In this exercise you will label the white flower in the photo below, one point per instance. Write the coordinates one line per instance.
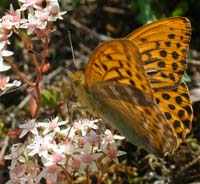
(110, 138)
(31, 178)
(3, 66)
(53, 126)
(42, 16)
(54, 158)
(75, 165)
(84, 124)
(15, 154)
(69, 133)
(87, 157)
(50, 173)
(3, 82)
(13, 18)
(4, 53)
(41, 145)
(28, 126)
(67, 148)
(27, 4)
(91, 138)
(4, 85)
(112, 153)
(17, 175)
(33, 24)
(53, 11)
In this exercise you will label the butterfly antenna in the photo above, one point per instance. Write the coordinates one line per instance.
(70, 42)
(69, 105)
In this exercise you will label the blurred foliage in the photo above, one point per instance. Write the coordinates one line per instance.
(149, 12)
(145, 8)
(51, 99)
(181, 9)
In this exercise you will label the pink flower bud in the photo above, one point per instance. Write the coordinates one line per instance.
(33, 106)
(55, 9)
(46, 67)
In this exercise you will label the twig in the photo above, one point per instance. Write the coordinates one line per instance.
(194, 161)
(17, 72)
(94, 34)
(110, 9)
(193, 61)
(85, 48)
(44, 79)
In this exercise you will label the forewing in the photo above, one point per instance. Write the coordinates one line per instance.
(118, 61)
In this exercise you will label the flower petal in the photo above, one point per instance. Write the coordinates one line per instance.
(6, 53)
(3, 66)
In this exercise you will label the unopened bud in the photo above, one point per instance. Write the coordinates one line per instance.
(33, 106)
(46, 67)
(55, 9)
(15, 132)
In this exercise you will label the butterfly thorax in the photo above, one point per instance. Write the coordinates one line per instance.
(82, 91)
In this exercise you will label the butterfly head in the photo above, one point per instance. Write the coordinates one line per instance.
(77, 79)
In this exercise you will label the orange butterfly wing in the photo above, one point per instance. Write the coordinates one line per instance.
(118, 84)
(177, 108)
(136, 83)
(163, 45)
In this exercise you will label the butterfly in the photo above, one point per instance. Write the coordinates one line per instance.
(136, 83)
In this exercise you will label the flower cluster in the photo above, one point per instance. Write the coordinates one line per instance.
(58, 151)
(52, 151)
(32, 17)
